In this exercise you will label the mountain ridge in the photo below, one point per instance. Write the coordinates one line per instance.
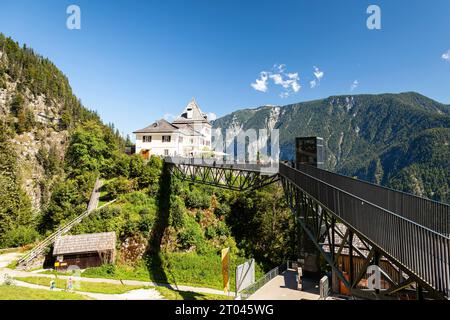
(363, 133)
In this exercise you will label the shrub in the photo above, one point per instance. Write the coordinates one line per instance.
(199, 215)
(196, 199)
(191, 234)
(122, 165)
(177, 210)
(223, 209)
(222, 229)
(210, 232)
(119, 186)
(20, 236)
(136, 166)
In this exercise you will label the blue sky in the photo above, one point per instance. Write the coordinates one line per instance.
(136, 61)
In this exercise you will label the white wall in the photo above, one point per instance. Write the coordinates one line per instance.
(157, 146)
(175, 148)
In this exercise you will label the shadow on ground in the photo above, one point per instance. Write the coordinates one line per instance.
(159, 268)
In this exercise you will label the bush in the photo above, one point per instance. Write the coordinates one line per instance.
(177, 210)
(222, 209)
(198, 200)
(222, 229)
(20, 236)
(119, 186)
(136, 166)
(210, 232)
(122, 165)
(191, 235)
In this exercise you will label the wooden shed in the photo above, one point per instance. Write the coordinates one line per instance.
(85, 250)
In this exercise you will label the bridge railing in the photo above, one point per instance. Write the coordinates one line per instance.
(431, 214)
(251, 289)
(423, 251)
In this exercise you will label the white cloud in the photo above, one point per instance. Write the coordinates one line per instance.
(446, 56)
(261, 83)
(295, 86)
(211, 116)
(293, 76)
(277, 79)
(288, 81)
(318, 74)
(354, 85)
(279, 67)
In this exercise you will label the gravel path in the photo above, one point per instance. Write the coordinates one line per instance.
(17, 273)
(140, 294)
(6, 259)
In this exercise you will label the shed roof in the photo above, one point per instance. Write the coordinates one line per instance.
(85, 243)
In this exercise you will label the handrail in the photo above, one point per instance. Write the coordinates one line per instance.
(258, 284)
(66, 228)
(432, 214)
(59, 232)
(422, 250)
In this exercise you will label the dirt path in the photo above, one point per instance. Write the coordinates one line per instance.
(7, 258)
(140, 294)
(17, 273)
(95, 196)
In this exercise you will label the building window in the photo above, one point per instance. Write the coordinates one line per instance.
(166, 152)
(180, 139)
(147, 138)
(192, 141)
(166, 138)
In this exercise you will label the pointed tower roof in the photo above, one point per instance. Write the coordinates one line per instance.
(192, 113)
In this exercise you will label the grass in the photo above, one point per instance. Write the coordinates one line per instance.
(12, 264)
(102, 199)
(103, 194)
(187, 295)
(21, 293)
(9, 250)
(175, 268)
(108, 288)
(95, 287)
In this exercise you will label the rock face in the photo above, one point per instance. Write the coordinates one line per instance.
(44, 134)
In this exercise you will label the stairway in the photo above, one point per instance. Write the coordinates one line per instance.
(39, 249)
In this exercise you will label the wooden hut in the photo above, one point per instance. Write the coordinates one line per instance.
(85, 250)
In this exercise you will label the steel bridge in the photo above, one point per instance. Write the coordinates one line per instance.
(406, 236)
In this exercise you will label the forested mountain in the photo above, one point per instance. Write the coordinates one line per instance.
(39, 118)
(52, 149)
(397, 140)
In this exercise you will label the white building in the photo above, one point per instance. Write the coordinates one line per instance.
(189, 135)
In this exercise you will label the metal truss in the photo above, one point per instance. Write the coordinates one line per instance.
(227, 177)
(349, 232)
(324, 232)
